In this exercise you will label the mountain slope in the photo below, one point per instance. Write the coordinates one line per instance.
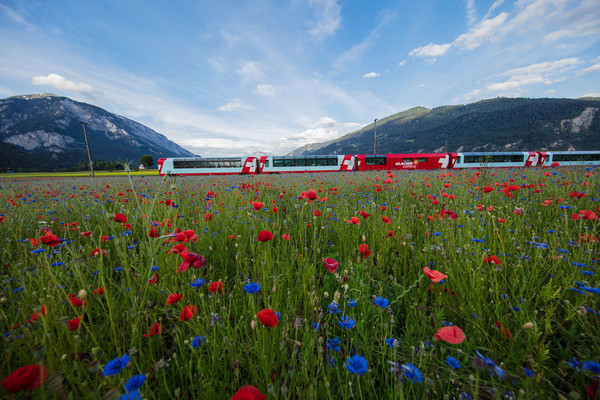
(503, 124)
(46, 132)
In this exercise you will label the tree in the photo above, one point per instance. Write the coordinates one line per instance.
(147, 160)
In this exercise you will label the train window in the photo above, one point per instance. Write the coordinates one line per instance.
(266, 163)
(299, 162)
(375, 160)
(422, 159)
(277, 162)
(332, 161)
(407, 160)
(288, 162)
(321, 161)
(459, 160)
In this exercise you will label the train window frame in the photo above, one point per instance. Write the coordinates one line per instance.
(375, 160)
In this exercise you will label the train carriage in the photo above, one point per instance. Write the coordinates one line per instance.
(366, 162)
(208, 166)
(502, 160)
(299, 164)
(573, 158)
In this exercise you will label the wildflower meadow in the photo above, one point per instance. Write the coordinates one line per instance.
(463, 284)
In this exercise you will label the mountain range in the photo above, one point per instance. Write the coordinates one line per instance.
(44, 132)
(493, 125)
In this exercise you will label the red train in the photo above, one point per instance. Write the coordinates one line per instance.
(366, 162)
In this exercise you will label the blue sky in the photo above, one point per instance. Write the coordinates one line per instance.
(265, 77)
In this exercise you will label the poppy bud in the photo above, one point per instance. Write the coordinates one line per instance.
(82, 294)
(253, 324)
(528, 325)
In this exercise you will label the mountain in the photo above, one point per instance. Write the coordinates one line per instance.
(502, 124)
(44, 132)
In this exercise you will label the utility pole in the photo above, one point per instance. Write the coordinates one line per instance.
(88, 148)
(375, 137)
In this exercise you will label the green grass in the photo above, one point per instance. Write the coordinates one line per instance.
(528, 297)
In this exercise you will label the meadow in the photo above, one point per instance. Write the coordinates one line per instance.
(467, 284)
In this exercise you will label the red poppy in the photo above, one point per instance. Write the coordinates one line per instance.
(364, 249)
(317, 213)
(215, 287)
(74, 323)
(330, 264)
(50, 239)
(364, 214)
(354, 220)
(248, 393)
(25, 378)
(285, 236)
(86, 233)
(98, 291)
(386, 220)
(503, 330)
(451, 334)
(120, 218)
(390, 233)
(154, 330)
(188, 312)
(208, 217)
(75, 301)
(264, 236)
(191, 260)
(179, 249)
(267, 317)
(154, 280)
(492, 260)
(153, 233)
(96, 252)
(434, 275)
(174, 298)
(257, 205)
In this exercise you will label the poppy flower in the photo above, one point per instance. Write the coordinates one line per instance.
(96, 252)
(154, 280)
(75, 301)
(174, 298)
(248, 393)
(98, 291)
(285, 236)
(434, 275)
(364, 214)
(354, 220)
(188, 312)
(488, 189)
(492, 260)
(386, 220)
(364, 249)
(330, 264)
(451, 334)
(215, 287)
(50, 239)
(120, 218)
(191, 260)
(267, 317)
(154, 330)
(390, 233)
(264, 236)
(257, 205)
(317, 213)
(74, 323)
(25, 378)
(179, 249)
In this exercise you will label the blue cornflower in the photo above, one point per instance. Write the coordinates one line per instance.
(333, 308)
(134, 395)
(356, 364)
(197, 282)
(334, 344)
(352, 303)
(490, 365)
(115, 366)
(347, 322)
(198, 341)
(575, 363)
(453, 362)
(446, 323)
(135, 382)
(392, 342)
(528, 372)
(317, 326)
(253, 287)
(592, 366)
(412, 373)
(381, 302)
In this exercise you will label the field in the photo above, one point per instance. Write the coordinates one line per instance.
(413, 285)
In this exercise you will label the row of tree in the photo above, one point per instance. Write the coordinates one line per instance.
(147, 161)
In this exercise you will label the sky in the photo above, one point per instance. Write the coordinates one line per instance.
(239, 77)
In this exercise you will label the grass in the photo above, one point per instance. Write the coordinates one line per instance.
(86, 174)
(530, 323)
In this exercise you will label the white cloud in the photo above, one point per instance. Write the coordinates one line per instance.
(234, 105)
(265, 89)
(484, 31)
(546, 72)
(325, 129)
(431, 50)
(401, 63)
(251, 71)
(60, 82)
(329, 18)
(371, 75)
(595, 67)
(471, 12)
